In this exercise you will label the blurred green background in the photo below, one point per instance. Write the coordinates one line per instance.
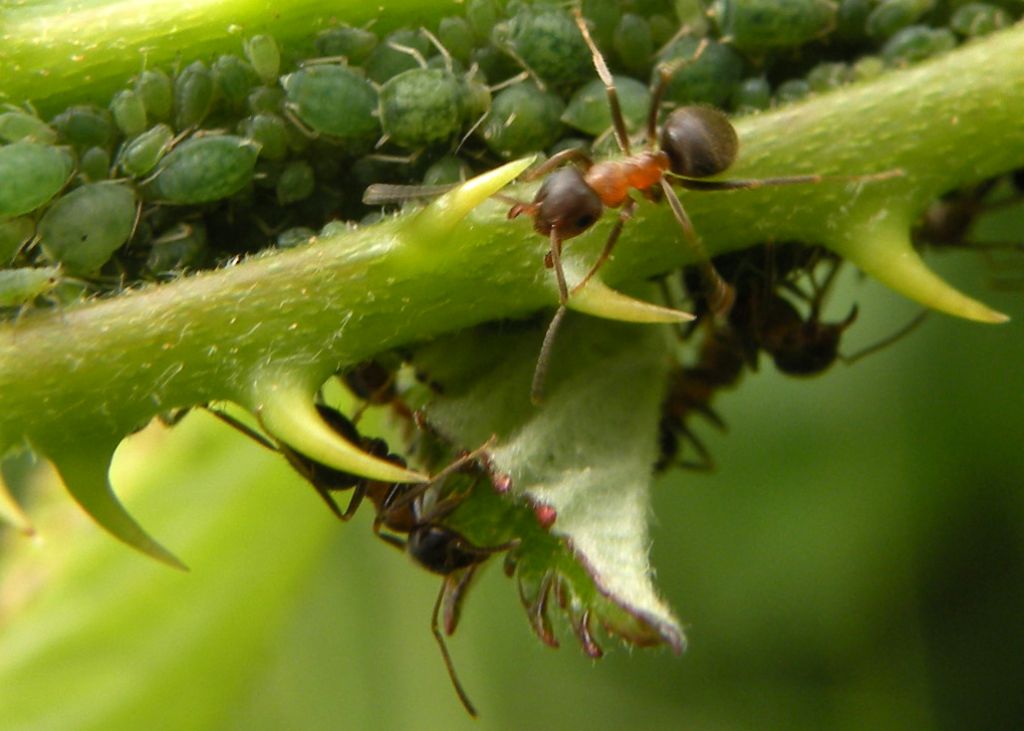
(857, 561)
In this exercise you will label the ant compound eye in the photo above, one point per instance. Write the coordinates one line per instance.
(699, 141)
(566, 204)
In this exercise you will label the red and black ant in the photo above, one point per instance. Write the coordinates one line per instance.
(694, 143)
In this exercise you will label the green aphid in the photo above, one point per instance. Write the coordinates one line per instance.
(851, 19)
(270, 131)
(752, 95)
(457, 37)
(85, 126)
(235, 78)
(353, 44)
(334, 100)
(94, 164)
(194, 95)
(633, 43)
(14, 234)
(32, 173)
(545, 38)
(184, 246)
(129, 112)
(387, 60)
(867, 67)
(84, 228)
(445, 170)
(16, 125)
(522, 119)
(978, 19)
(588, 109)
(917, 43)
(269, 99)
(20, 286)
(296, 182)
(692, 16)
(482, 16)
(760, 25)
(602, 18)
(154, 88)
(139, 156)
(265, 57)
(792, 90)
(421, 107)
(203, 170)
(891, 16)
(663, 29)
(829, 75)
(292, 237)
(707, 78)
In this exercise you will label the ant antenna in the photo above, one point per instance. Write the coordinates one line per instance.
(540, 372)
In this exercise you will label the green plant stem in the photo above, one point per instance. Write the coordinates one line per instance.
(294, 318)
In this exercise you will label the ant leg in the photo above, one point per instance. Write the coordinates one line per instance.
(665, 73)
(574, 154)
(721, 295)
(243, 428)
(613, 237)
(454, 596)
(609, 84)
(436, 629)
(540, 372)
(884, 342)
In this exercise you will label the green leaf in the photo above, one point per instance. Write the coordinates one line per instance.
(587, 452)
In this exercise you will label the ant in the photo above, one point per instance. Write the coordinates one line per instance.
(413, 510)
(695, 142)
(324, 479)
(418, 512)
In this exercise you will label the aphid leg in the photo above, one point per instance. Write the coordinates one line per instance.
(665, 73)
(436, 43)
(609, 83)
(613, 237)
(720, 294)
(884, 342)
(417, 56)
(435, 627)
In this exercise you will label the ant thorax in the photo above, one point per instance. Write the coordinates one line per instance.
(613, 179)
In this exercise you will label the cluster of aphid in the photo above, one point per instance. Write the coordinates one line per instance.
(227, 156)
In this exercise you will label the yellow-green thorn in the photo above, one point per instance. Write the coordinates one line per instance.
(289, 415)
(11, 512)
(885, 252)
(600, 300)
(84, 469)
(445, 212)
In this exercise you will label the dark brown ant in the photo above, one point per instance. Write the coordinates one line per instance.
(417, 512)
(695, 142)
(409, 517)
(327, 480)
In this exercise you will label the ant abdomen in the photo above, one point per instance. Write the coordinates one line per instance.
(699, 141)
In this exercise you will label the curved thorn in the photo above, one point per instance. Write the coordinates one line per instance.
(600, 300)
(11, 512)
(291, 417)
(444, 213)
(85, 475)
(887, 255)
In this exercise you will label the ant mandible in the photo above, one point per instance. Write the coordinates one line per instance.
(695, 142)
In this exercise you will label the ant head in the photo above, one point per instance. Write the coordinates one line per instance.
(565, 204)
(809, 347)
(699, 141)
(441, 550)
